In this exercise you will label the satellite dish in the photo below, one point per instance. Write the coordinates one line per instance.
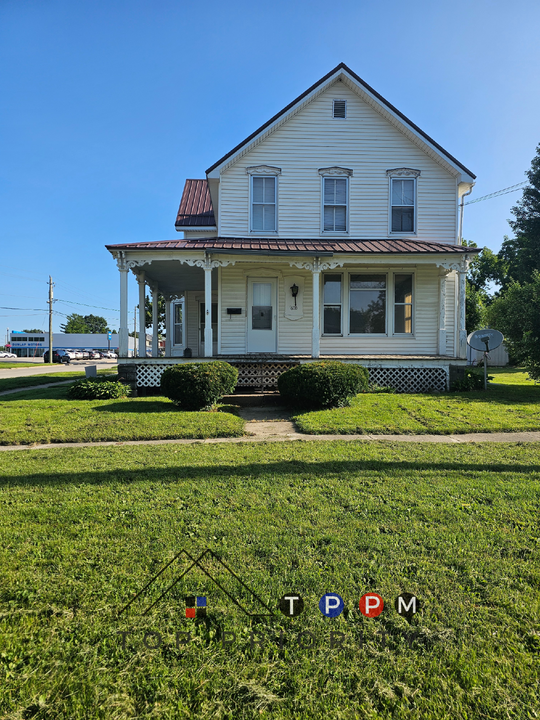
(485, 340)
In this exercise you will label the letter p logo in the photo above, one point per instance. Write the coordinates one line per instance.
(371, 605)
(331, 605)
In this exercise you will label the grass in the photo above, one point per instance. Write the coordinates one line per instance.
(81, 531)
(35, 380)
(8, 365)
(511, 404)
(47, 416)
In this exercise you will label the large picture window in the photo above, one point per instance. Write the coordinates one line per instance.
(263, 204)
(403, 303)
(367, 304)
(332, 302)
(335, 192)
(403, 205)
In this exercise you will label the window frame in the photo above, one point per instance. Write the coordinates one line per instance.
(341, 175)
(341, 304)
(403, 174)
(412, 304)
(352, 272)
(266, 176)
(334, 100)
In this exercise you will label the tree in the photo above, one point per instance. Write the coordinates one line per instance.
(517, 315)
(96, 324)
(84, 324)
(520, 255)
(34, 331)
(475, 309)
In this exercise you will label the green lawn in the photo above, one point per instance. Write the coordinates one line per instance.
(34, 380)
(511, 403)
(82, 531)
(46, 415)
(9, 364)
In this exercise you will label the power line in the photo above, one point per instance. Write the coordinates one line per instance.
(99, 307)
(510, 189)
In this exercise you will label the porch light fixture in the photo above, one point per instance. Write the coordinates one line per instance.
(294, 290)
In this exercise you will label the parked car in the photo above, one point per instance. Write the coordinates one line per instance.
(94, 355)
(59, 356)
(4, 354)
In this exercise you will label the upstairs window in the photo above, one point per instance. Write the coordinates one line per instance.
(403, 205)
(335, 192)
(263, 204)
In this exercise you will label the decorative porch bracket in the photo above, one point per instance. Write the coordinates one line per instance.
(316, 267)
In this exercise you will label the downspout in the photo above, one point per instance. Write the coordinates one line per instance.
(462, 205)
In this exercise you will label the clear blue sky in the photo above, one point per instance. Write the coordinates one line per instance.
(107, 106)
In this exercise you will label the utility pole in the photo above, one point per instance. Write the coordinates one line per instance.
(134, 332)
(50, 302)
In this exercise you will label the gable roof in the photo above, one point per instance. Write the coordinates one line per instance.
(195, 206)
(338, 70)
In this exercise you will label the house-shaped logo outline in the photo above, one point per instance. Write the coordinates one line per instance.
(196, 562)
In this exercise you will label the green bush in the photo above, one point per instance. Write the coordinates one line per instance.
(322, 384)
(472, 380)
(98, 388)
(193, 386)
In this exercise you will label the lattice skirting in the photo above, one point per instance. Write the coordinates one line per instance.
(410, 380)
(265, 375)
(259, 375)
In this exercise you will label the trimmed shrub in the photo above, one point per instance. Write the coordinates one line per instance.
(322, 384)
(98, 388)
(194, 386)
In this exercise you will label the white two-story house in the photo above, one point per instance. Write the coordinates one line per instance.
(330, 232)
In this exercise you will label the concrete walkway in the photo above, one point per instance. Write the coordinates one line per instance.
(36, 387)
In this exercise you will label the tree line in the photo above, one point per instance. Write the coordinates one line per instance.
(514, 306)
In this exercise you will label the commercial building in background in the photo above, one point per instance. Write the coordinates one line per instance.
(34, 344)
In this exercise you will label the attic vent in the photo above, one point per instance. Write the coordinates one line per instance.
(340, 108)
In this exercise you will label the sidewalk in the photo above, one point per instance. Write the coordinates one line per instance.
(284, 431)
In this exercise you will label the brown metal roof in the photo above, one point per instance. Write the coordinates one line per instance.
(285, 245)
(364, 84)
(195, 206)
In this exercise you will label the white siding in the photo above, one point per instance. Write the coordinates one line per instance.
(364, 142)
(294, 336)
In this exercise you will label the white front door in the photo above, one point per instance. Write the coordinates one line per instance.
(262, 315)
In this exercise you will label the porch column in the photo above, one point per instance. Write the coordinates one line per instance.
(442, 312)
(155, 321)
(461, 326)
(316, 335)
(123, 331)
(208, 308)
(168, 324)
(142, 315)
